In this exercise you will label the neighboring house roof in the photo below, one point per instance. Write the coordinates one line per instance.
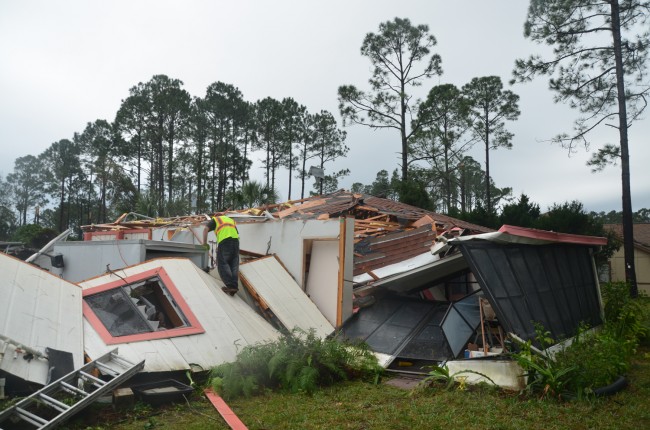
(641, 234)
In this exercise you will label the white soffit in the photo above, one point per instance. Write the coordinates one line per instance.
(284, 296)
(37, 311)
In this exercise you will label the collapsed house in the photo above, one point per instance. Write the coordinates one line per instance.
(418, 287)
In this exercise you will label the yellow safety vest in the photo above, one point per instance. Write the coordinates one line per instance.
(225, 228)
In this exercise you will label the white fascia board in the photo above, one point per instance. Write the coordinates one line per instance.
(401, 267)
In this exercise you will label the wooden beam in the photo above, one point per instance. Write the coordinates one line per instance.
(224, 410)
(341, 279)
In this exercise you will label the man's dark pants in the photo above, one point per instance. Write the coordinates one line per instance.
(228, 262)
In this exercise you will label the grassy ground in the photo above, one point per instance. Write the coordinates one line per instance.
(361, 406)
(358, 405)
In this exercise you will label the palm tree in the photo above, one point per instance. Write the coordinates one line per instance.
(255, 194)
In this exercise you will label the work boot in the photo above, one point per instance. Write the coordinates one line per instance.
(231, 291)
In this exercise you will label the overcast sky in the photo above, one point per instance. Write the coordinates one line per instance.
(66, 63)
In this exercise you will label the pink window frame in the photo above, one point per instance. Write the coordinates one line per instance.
(193, 328)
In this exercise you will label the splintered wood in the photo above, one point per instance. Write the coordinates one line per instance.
(123, 223)
(373, 226)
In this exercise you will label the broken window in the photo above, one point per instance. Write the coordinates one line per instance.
(146, 306)
(460, 322)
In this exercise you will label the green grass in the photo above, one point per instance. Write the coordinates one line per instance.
(360, 405)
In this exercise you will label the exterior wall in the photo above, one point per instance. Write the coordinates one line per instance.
(87, 259)
(324, 261)
(279, 291)
(83, 260)
(642, 265)
(286, 239)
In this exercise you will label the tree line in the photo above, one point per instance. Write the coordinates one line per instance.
(167, 153)
(598, 66)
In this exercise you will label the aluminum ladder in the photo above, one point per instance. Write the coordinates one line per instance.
(59, 400)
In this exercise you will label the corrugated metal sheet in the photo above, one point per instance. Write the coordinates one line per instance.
(284, 296)
(37, 310)
(401, 327)
(229, 323)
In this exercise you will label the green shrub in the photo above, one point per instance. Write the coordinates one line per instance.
(297, 362)
(625, 317)
(598, 358)
(544, 374)
(594, 358)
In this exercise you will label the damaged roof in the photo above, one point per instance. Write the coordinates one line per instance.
(382, 215)
(386, 232)
(374, 215)
(217, 326)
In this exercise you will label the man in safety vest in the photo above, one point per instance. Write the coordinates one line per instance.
(227, 235)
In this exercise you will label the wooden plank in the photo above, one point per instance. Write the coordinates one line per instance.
(300, 207)
(341, 277)
(224, 410)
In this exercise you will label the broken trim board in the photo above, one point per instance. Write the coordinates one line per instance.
(224, 410)
(268, 279)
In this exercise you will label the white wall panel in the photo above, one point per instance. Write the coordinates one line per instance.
(284, 296)
(37, 310)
